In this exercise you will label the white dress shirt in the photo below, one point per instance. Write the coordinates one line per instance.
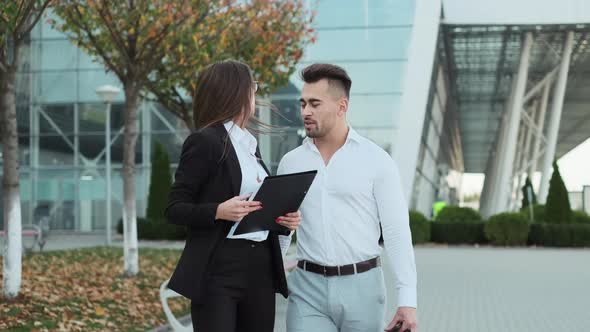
(252, 172)
(358, 189)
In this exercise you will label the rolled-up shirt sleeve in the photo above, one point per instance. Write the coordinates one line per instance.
(397, 237)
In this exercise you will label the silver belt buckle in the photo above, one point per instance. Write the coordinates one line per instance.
(325, 272)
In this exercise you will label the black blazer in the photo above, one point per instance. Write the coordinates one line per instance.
(205, 178)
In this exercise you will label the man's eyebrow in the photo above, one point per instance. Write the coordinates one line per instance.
(310, 100)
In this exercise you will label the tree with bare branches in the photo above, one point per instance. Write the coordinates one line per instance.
(131, 39)
(17, 19)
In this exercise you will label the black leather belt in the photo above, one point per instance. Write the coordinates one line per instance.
(343, 270)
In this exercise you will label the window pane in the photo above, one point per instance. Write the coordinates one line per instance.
(90, 80)
(369, 44)
(338, 13)
(88, 62)
(55, 54)
(373, 111)
(57, 87)
(56, 118)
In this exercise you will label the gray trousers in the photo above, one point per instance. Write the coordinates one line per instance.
(336, 304)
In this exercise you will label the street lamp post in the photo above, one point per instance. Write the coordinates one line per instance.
(108, 93)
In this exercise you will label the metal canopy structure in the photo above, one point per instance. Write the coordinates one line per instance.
(482, 63)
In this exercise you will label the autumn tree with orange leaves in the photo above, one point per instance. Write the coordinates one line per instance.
(131, 38)
(158, 47)
(269, 36)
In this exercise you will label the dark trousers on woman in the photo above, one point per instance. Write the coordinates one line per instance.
(240, 294)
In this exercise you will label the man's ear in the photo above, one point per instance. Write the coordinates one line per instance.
(343, 106)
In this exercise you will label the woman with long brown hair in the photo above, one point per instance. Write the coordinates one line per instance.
(230, 279)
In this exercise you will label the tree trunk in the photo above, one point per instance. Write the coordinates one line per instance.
(12, 267)
(131, 254)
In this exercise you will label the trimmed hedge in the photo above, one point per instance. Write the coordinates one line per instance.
(160, 184)
(420, 227)
(560, 235)
(507, 229)
(580, 217)
(558, 204)
(458, 233)
(161, 230)
(155, 230)
(456, 214)
(538, 213)
(154, 226)
(525, 194)
(120, 225)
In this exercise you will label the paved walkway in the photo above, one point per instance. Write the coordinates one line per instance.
(66, 241)
(467, 289)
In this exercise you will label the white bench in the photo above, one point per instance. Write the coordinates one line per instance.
(30, 231)
(166, 293)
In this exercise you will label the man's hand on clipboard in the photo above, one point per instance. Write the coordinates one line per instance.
(235, 209)
(291, 220)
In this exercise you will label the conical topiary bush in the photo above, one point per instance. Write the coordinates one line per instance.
(557, 209)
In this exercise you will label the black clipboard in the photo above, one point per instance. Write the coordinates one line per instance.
(279, 195)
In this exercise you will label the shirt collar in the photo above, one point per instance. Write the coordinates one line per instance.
(241, 136)
(352, 136)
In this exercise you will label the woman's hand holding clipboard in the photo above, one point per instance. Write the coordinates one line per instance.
(235, 209)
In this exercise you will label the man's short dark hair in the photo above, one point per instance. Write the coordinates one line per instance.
(335, 75)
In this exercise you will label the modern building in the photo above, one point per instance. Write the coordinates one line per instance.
(446, 86)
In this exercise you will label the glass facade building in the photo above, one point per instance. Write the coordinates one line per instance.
(369, 39)
(61, 120)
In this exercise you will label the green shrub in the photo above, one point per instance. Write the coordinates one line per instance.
(507, 229)
(154, 226)
(420, 227)
(161, 230)
(120, 224)
(140, 221)
(560, 235)
(155, 230)
(525, 194)
(538, 213)
(458, 233)
(558, 208)
(580, 217)
(160, 184)
(456, 214)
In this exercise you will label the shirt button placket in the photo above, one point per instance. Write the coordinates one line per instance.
(324, 209)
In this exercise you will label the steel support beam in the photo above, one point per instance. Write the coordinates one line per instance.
(556, 110)
(512, 125)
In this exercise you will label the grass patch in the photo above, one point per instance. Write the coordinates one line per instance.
(84, 290)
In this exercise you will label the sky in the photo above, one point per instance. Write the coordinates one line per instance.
(574, 168)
